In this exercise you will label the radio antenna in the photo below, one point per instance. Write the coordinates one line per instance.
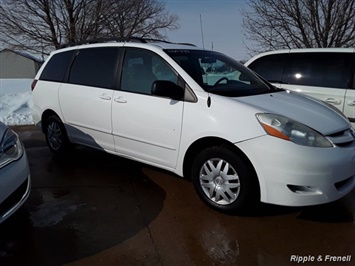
(203, 41)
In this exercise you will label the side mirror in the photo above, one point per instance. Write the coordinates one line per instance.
(165, 88)
(244, 77)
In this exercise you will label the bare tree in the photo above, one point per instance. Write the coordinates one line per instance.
(39, 26)
(278, 24)
(141, 18)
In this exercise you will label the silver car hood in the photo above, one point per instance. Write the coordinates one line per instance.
(304, 109)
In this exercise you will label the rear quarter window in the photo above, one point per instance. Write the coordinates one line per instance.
(270, 67)
(57, 67)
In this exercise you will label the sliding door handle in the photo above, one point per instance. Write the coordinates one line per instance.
(333, 101)
(120, 100)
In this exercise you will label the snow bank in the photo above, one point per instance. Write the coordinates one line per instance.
(16, 101)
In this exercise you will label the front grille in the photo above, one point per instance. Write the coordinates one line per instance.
(342, 138)
(14, 198)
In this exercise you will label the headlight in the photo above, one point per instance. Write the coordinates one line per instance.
(288, 129)
(10, 148)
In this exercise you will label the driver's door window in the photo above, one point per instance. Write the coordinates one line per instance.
(141, 69)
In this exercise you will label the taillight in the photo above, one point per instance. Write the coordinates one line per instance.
(33, 85)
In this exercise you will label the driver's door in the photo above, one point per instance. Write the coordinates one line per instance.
(146, 127)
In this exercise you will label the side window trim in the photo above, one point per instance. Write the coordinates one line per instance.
(67, 73)
(353, 76)
(119, 69)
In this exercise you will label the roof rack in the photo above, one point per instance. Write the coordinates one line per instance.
(118, 39)
(146, 40)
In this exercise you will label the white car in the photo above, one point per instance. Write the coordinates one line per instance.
(327, 74)
(15, 184)
(199, 114)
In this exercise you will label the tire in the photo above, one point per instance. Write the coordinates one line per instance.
(56, 136)
(225, 181)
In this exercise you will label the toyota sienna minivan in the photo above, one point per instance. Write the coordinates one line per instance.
(199, 114)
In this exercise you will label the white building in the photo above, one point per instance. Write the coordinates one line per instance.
(18, 65)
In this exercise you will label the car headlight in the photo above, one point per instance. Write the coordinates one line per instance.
(10, 148)
(288, 129)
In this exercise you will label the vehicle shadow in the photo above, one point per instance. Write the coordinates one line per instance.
(340, 211)
(80, 204)
(267, 210)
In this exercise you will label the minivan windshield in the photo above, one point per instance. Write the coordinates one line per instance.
(219, 74)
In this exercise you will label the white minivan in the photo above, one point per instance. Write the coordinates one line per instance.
(199, 114)
(327, 74)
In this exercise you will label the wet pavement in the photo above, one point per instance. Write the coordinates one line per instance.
(92, 208)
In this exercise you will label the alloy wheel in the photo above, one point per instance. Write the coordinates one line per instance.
(54, 135)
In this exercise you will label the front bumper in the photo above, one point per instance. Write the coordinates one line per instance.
(294, 175)
(15, 186)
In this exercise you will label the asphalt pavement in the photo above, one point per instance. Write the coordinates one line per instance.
(92, 208)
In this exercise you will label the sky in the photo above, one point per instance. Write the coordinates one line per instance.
(221, 24)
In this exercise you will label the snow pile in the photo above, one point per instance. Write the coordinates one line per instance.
(16, 101)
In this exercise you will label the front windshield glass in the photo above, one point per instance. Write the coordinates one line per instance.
(219, 74)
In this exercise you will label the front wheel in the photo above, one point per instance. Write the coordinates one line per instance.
(56, 136)
(224, 181)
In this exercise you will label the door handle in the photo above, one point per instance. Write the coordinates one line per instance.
(351, 103)
(105, 97)
(120, 100)
(333, 101)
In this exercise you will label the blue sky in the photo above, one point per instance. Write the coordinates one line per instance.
(221, 23)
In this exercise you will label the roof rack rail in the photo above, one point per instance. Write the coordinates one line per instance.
(118, 39)
(100, 40)
(159, 40)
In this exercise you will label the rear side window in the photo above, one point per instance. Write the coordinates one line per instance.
(95, 67)
(57, 67)
(319, 69)
(270, 67)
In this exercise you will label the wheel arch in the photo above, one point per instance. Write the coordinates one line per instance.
(206, 142)
(46, 114)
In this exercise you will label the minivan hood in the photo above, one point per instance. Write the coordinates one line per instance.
(304, 109)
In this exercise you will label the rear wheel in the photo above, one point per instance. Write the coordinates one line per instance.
(56, 135)
(224, 181)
